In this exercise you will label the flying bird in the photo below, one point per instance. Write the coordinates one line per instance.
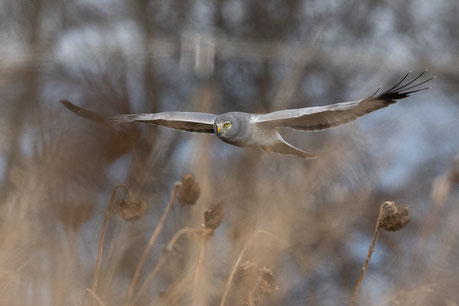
(261, 130)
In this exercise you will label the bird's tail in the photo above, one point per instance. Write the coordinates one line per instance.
(283, 147)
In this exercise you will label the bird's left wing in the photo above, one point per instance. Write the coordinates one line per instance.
(184, 121)
(324, 117)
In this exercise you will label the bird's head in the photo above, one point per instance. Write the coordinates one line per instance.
(232, 127)
(223, 124)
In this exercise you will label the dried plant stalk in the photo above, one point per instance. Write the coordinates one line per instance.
(100, 244)
(162, 259)
(151, 242)
(236, 265)
(367, 259)
(230, 279)
(391, 218)
(99, 301)
(198, 269)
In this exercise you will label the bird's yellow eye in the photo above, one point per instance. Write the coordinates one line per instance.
(227, 125)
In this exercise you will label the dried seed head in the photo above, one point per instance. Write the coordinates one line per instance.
(130, 210)
(213, 216)
(267, 282)
(188, 191)
(394, 217)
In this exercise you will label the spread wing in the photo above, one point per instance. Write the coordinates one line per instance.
(184, 121)
(324, 117)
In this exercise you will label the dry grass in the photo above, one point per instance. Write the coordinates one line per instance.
(237, 262)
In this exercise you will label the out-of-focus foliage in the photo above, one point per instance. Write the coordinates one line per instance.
(300, 228)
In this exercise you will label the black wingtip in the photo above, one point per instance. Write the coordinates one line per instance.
(72, 107)
(401, 91)
(82, 112)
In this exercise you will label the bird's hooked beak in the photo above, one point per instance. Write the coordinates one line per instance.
(219, 128)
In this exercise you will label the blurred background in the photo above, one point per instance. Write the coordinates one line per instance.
(295, 232)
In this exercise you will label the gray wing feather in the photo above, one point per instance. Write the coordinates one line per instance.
(323, 117)
(185, 121)
(320, 117)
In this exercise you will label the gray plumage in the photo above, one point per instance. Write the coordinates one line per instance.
(261, 130)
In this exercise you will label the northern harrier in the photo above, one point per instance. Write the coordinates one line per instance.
(261, 130)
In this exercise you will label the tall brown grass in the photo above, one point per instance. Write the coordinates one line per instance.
(195, 256)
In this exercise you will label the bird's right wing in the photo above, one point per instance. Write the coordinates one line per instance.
(184, 121)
